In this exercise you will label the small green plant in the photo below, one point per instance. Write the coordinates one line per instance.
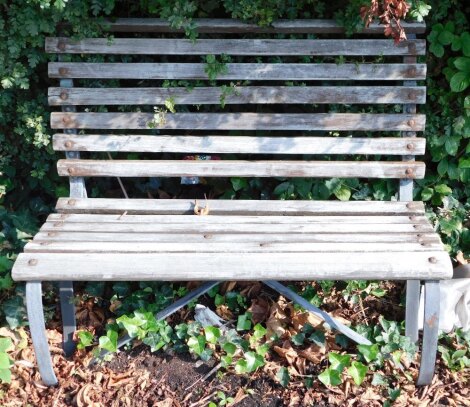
(222, 400)
(215, 67)
(6, 345)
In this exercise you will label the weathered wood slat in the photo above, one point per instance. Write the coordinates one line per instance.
(240, 95)
(245, 266)
(239, 144)
(237, 207)
(165, 46)
(240, 247)
(243, 121)
(222, 25)
(257, 228)
(218, 219)
(203, 25)
(232, 168)
(249, 71)
(421, 238)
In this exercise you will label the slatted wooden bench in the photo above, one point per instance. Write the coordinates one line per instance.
(99, 239)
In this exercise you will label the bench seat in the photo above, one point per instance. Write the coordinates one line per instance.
(141, 239)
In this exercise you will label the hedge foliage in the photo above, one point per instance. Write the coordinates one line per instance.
(29, 183)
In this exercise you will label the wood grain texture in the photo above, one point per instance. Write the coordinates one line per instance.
(232, 168)
(233, 219)
(231, 228)
(242, 266)
(240, 95)
(238, 207)
(248, 71)
(425, 239)
(220, 25)
(241, 247)
(165, 46)
(243, 121)
(239, 144)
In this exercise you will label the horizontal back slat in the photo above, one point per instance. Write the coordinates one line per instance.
(248, 71)
(163, 46)
(239, 144)
(216, 168)
(239, 95)
(217, 219)
(238, 207)
(216, 25)
(243, 121)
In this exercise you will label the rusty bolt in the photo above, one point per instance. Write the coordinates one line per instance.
(51, 234)
(63, 71)
(409, 205)
(412, 95)
(207, 236)
(61, 45)
(71, 202)
(68, 144)
(409, 172)
(410, 146)
(65, 119)
(58, 224)
(44, 243)
(71, 171)
(411, 123)
(412, 71)
(32, 262)
(412, 48)
(63, 95)
(432, 260)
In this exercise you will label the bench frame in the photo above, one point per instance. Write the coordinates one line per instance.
(77, 190)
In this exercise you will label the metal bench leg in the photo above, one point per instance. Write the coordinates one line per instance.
(413, 293)
(288, 293)
(38, 332)
(430, 332)
(67, 308)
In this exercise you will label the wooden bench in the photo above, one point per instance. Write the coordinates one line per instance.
(96, 239)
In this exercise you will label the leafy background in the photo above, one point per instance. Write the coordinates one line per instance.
(29, 185)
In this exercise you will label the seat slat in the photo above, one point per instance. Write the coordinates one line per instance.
(232, 168)
(222, 25)
(238, 207)
(245, 266)
(421, 238)
(243, 121)
(165, 46)
(239, 144)
(240, 95)
(242, 247)
(259, 228)
(261, 71)
(218, 219)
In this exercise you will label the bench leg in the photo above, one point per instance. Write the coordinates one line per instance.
(413, 293)
(67, 309)
(288, 293)
(38, 332)
(430, 333)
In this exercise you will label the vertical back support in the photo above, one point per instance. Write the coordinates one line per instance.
(77, 190)
(413, 287)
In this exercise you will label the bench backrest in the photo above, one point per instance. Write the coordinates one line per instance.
(333, 84)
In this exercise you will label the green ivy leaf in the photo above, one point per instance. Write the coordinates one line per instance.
(229, 348)
(443, 189)
(283, 376)
(343, 193)
(437, 49)
(197, 344)
(445, 37)
(298, 339)
(239, 183)
(244, 322)
(253, 361)
(109, 342)
(212, 334)
(465, 37)
(339, 362)
(5, 375)
(358, 372)
(6, 345)
(370, 352)
(330, 377)
(463, 64)
(85, 339)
